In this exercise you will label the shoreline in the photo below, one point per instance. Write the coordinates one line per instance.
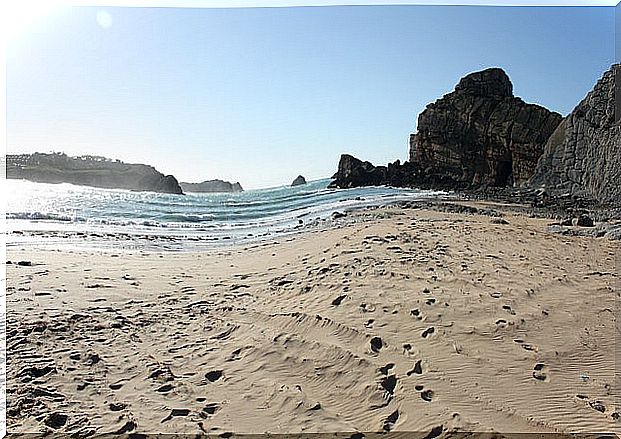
(407, 321)
(156, 240)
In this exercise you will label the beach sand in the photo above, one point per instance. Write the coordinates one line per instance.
(411, 320)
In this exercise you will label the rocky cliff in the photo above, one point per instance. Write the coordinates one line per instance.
(583, 156)
(89, 171)
(212, 186)
(481, 133)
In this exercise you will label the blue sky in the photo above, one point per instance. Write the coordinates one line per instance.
(260, 95)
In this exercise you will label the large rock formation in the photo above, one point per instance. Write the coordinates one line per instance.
(353, 172)
(212, 186)
(89, 171)
(481, 134)
(583, 156)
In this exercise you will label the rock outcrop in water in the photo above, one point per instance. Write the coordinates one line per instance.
(583, 156)
(481, 133)
(212, 186)
(353, 172)
(89, 171)
(299, 180)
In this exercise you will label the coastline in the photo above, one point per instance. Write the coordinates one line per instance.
(321, 331)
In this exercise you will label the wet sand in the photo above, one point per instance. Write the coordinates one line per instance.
(411, 320)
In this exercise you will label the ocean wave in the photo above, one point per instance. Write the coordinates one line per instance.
(44, 216)
(251, 212)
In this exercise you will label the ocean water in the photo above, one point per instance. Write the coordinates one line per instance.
(65, 214)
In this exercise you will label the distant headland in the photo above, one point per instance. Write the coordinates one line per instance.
(211, 186)
(89, 170)
(102, 172)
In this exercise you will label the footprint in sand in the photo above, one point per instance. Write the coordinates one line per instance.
(176, 412)
(165, 388)
(339, 300)
(384, 369)
(418, 369)
(391, 420)
(435, 432)
(389, 383)
(428, 332)
(56, 420)
(117, 406)
(214, 375)
(427, 395)
(211, 408)
(526, 346)
(367, 308)
(376, 344)
(597, 405)
(540, 372)
(508, 309)
(117, 385)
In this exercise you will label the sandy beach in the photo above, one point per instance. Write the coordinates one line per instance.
(411, 320)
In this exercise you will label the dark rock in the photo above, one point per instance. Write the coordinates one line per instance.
(337, 215)
(480, 134)
(89, 171)
(299, 180)
(583, 155)
(24, 263)
(353, 172)
(584, 221)
(211, 186)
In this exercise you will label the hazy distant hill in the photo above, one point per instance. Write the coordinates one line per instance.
(211, 186)
(89, 171)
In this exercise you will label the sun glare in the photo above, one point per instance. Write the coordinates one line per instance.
(21, 17)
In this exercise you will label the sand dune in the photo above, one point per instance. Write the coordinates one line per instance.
(416, 321)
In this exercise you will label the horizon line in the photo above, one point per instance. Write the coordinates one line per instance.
(216, 4)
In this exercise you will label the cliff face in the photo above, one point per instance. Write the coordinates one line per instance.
(583, 156)
(212, 186)
(89, 171)
(481, 134)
